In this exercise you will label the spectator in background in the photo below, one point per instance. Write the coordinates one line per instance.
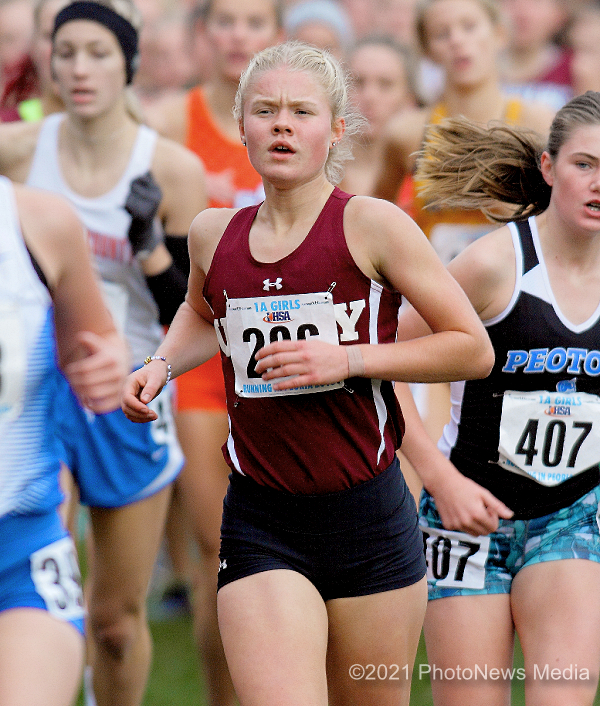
(151, 11)
(166, 57)
(32, 93)
(16, 30)
(536, 64)
(584, 39)
(383, 84)
(396, 18)
(360, 13)
(322, 23)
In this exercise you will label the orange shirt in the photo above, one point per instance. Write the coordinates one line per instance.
(450, 231)
(221, 154)
(203, 388)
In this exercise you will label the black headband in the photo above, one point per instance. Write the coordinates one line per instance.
(123, 30)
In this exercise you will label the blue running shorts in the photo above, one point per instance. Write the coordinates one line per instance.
(38, 567)
(459, 564)
(114, 461)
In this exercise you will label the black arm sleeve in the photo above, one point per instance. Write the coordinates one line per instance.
(168, 289)
(177, 245)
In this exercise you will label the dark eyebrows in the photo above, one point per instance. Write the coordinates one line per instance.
(584, 155)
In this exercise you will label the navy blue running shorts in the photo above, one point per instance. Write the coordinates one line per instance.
(354, 542)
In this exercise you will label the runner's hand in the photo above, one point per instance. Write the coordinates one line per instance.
(141, 387)
(310, 362)
(466, 506)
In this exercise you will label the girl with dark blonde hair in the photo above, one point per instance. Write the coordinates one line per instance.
(509, 510)
(321, 571)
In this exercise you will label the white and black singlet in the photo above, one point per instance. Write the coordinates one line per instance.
(529, 431)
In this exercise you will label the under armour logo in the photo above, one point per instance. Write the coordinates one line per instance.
(223, 564)
(267, 283)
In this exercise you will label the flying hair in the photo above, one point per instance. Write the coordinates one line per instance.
(466, 165)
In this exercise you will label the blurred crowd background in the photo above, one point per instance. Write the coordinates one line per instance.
(552, 48)
(548, 51)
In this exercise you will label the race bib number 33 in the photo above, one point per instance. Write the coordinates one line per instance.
(549, 436)
(253, 323)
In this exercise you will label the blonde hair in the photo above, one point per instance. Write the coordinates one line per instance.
(298, 56)
(470, 166)
(490, 7)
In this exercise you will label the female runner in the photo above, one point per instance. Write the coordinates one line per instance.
(510, 511)
(383, 85)
(465, 38)
(50, 308)
(128, 185)
(321, 569)
(32, 94)
(202, 120)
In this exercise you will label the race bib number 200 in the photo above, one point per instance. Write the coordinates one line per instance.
(253, 323)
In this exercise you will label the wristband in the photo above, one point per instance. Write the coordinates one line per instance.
(356, 364)
(160, 357)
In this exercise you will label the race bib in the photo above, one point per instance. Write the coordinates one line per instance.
(13, 363)
(162, 429)
(455, 559)
(549, 436)
(253, 323)
(55, 573)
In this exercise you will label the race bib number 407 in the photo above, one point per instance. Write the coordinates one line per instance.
(549, 436)
(253, 323)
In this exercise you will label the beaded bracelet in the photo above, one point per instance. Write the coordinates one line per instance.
(160, 357)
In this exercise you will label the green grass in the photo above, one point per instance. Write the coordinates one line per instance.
(175, 679)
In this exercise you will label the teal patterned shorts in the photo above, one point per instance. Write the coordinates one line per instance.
(459, 564)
